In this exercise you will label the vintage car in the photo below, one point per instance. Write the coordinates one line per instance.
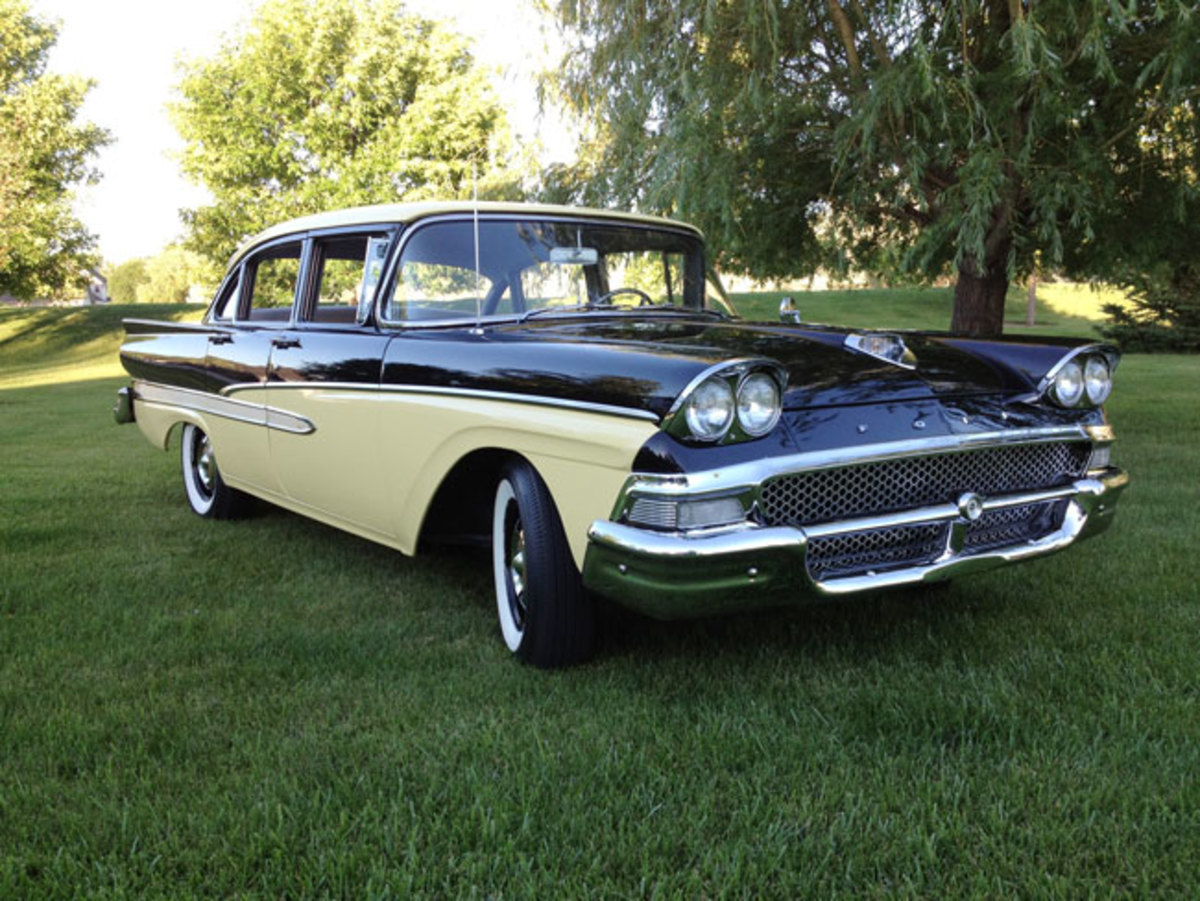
(570, 387)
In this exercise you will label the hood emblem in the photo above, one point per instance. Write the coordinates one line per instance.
(882, 346)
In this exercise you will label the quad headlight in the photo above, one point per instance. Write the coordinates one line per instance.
(732, 402)
(1097, 379)
(709, 409)
(1083, 379)
(758, 404)
(1068, 384)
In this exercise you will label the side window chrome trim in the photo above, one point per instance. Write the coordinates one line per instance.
(246, 288)
(309, 301)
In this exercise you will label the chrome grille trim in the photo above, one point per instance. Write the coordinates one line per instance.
(657, 514)
(870, 489)
(752, 474)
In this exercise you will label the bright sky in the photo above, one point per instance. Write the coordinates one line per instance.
(129, 47)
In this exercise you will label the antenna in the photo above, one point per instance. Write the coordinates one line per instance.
(475, 218)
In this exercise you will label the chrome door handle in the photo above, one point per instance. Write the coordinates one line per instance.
(282, 343)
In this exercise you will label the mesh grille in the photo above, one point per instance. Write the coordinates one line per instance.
(1014, 525)
(857, 552)
(864, 489)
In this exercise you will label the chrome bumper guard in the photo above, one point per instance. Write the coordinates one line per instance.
(671, 575)
(123, 409)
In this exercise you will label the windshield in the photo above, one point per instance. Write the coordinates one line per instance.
(528, 266)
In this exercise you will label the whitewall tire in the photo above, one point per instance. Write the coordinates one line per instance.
(207, 492)
(546, 616)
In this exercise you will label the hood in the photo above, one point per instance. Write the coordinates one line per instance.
(822, 372)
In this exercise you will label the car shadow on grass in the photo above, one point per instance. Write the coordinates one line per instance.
(933, 620)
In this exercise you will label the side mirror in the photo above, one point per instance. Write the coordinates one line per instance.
(788, 311)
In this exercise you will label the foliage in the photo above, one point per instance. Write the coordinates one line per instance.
(327, 103)
(969, 135)
(176, 275)
(1164, 309)
(44, 155)
(124, 279)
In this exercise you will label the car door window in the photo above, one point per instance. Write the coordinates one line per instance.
(348, 270)
(273, 276)
(226, 305)
(437, 279)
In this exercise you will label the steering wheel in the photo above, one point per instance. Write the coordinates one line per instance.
(606, 298)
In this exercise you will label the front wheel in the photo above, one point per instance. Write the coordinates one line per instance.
(207, 492)
(546, 616)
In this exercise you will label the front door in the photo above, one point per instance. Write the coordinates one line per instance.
(323, 390)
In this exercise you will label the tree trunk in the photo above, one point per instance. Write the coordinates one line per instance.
(979, 300)
(1031, 300)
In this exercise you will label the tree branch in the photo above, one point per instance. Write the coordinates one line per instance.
(845, 30)
(877, 43)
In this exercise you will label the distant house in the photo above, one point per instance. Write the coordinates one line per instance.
(97, 287)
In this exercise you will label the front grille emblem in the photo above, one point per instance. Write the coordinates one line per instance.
(970, 506)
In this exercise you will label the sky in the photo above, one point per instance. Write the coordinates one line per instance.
(130, 47)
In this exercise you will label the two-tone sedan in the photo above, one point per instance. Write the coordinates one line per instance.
(570, 387)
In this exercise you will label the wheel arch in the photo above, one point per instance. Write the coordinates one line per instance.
(158, 422)
(460, 511)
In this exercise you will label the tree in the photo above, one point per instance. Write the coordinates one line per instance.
(327, 103)
(922, 135)
(174, 276)
(124, 279)
(44, 155)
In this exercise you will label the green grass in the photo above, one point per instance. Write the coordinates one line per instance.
(1063, 309)
(45, 345)
(272, 708)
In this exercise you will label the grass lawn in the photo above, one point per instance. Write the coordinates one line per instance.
(273, 708)
(1063, 308)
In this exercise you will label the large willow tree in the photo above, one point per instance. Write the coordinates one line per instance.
(915, 136)
(318, 104)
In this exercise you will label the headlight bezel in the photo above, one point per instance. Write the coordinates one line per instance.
(1054, 385)
(733, 375)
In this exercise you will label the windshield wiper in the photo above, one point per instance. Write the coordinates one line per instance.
(609, 308)
(575, 308)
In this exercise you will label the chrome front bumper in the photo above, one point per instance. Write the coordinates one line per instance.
(671, 575)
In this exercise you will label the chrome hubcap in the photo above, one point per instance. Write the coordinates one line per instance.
(516, 572)
(206, 465)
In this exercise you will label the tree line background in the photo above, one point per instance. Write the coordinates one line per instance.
(983, 140)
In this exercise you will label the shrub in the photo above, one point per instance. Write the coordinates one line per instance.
(1163, 314)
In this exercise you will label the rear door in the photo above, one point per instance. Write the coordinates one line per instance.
(254, 319)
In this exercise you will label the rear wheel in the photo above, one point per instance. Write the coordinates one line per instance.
(546, 616)
(207, 492)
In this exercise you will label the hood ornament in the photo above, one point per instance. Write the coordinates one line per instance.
(882, 346)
